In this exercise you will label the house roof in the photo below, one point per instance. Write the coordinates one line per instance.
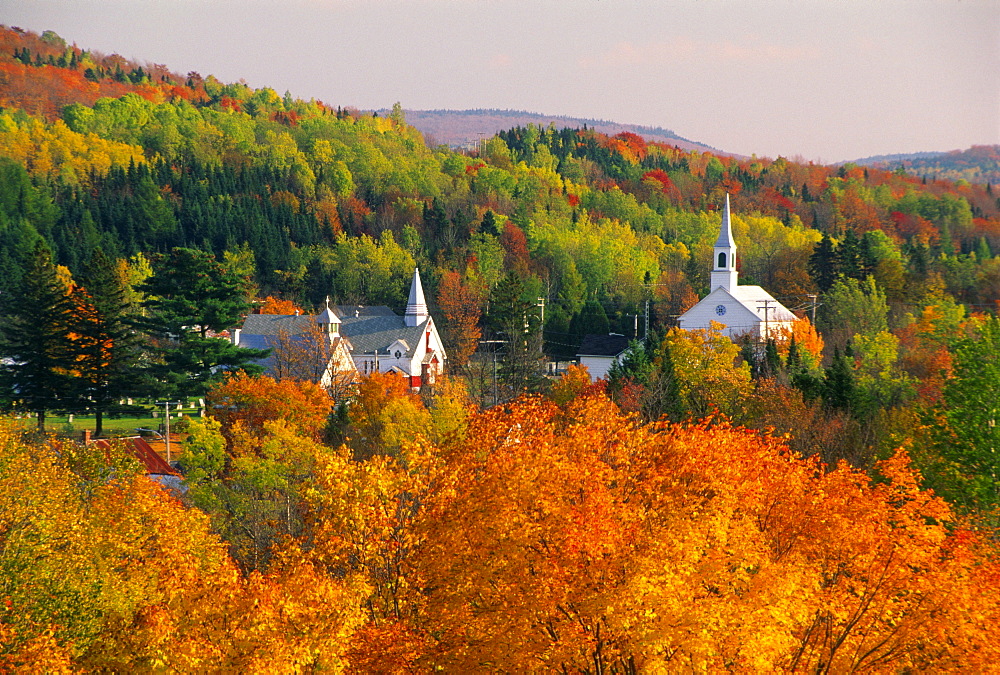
(143, 451)
(603, 345)
(274, 324)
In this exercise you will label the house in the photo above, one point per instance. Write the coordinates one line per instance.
(599, 352)
(358, 340)
(742, 310)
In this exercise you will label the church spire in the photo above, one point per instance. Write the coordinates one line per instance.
(416, 308)
(724, 254)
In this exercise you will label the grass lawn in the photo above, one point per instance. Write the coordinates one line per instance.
(123, 426)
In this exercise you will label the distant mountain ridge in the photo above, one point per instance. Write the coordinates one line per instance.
(465, 128)
(978, 164)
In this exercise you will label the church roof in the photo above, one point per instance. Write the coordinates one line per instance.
(754, 297)
(344, 311)
(368, 334)
(726, 229)
(274, 324)
(327, 316)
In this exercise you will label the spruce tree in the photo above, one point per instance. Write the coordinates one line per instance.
(824, 263)
(105, 345)
(34, 338)
(190, 298)
(516, 321)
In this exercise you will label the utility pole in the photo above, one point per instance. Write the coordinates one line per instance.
(767, 308)
(812, 305)
(494, 350)
(166, 411)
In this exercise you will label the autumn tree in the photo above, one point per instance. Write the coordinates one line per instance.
(460, 301)
(105, 346)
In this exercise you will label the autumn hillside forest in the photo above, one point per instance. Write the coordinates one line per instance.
(821, 500)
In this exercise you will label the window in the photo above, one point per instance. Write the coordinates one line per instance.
(722, 260)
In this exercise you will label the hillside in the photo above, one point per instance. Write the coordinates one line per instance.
(978, 164)
(466, 128)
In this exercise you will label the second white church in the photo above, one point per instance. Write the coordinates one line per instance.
(742, 310)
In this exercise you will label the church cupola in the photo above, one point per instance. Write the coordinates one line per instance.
(416, 308)
(724, 255)
(329, 320)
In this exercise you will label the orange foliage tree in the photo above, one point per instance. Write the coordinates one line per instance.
(588, 543)
(247, 402)
(461, 304)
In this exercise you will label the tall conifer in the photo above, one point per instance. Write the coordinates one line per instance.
(105, 344)
(34, 338)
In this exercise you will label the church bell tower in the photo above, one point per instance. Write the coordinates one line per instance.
(724, 255)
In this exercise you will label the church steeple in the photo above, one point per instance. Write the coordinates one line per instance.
(724, 255)
(416, 308)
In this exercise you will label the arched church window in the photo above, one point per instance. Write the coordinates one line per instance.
(722, 260)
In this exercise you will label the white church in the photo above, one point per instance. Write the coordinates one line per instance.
(361, 339)
(742, 310)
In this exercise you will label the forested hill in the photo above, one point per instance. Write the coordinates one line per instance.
(466, 128)
(978, 164)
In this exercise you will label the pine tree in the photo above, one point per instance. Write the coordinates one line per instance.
(105, 344)
(34, 339)
(839, 386)
(824, 263)
(190, 298)
(517, 322)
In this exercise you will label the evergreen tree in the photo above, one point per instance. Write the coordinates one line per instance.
(517, 322)
(824, 263)
(838, 385)
(189, 298)
(105, 344)
(34, 338)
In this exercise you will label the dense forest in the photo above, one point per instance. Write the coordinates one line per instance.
(823, 501)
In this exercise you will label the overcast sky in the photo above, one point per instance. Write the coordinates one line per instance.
(824, 80)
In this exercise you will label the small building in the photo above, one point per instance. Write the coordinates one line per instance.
(381, 340)
(742, 310)
(599, 352)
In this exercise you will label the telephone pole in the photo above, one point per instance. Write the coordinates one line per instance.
(166, 411)
(767, 308)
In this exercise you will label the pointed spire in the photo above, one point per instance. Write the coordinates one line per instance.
(416, 308)
(724, 255)
(726, 231)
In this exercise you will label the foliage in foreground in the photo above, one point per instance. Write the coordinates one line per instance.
(533, 536)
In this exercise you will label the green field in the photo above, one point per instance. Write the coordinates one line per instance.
(118, 426)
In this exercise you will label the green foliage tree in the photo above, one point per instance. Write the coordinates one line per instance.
(966, 430)
(516, 321)
(189, 299)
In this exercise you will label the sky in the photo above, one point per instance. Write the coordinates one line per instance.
(817, 80)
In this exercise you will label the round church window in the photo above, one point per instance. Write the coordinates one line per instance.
(720, 310)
